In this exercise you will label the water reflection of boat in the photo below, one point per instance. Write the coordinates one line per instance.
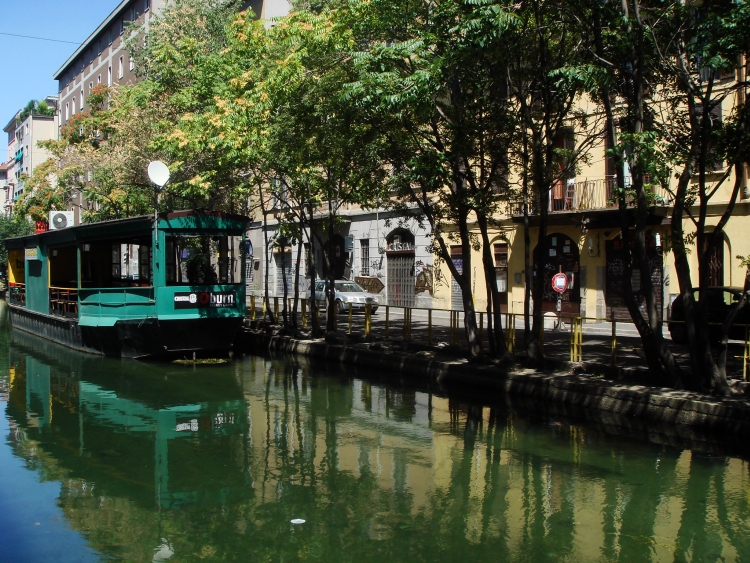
(101, 287)
(177, 438)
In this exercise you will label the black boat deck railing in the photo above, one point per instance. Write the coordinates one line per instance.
(63, 302)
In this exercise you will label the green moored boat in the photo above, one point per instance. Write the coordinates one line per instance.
(106, 288)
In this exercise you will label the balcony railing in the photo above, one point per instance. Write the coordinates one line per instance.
(588, 195)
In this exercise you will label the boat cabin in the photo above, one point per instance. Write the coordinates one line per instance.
(124, 288)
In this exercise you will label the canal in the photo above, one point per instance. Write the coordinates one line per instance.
(115, 460)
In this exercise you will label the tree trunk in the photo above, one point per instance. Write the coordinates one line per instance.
(495, 334)
(300, 249)
(315, 322)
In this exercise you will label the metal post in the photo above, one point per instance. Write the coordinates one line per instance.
(387, 314)
(429, 327)
(252, 307)
(481, 324)
(304, 313)
(368, 318)
(350, 318)
(614, 340)
(276, 309)
(407, 324)
(746, 355)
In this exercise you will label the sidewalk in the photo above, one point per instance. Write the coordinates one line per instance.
(430, 332)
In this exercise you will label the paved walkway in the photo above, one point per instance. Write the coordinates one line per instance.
(433, 331)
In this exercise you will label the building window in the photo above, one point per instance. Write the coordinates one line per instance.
(501, 267)
(82, 99)
(121, 69)
(99, 79)
(91, 87)
(146, 4)
(73, 105)
(109, 76)
(132, 63)
(364, 267)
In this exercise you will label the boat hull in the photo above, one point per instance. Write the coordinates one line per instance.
(138, 338)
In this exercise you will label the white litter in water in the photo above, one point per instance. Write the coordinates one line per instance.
(298, 521)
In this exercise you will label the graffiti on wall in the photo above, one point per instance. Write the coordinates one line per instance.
(424, 278)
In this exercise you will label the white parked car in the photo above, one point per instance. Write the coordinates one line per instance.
(347, 292)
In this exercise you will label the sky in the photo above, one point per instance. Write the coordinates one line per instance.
(30, 63)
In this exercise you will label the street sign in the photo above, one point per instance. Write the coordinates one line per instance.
(560, 282)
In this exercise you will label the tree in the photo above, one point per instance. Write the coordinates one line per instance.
(542, 52)
(663, 64)
(431, 79)
(13, 226)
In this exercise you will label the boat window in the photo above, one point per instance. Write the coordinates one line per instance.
(116, 263)
(63, 267)
(202, 259)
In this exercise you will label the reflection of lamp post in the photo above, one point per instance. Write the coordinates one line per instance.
(158, 173)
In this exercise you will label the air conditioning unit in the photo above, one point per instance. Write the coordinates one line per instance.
(60, 220)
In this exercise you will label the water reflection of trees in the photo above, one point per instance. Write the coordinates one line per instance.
(381, 473)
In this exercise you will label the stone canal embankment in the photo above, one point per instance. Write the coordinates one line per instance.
(559, 387)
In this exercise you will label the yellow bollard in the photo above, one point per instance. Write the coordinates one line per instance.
(572, 339)
(276, 309)
(387, 313)
(252, 307)
(429, 327)
(368, 318)
(510, 337)
(614, 340)
(304, 313)
(576, 339)
(350, 318)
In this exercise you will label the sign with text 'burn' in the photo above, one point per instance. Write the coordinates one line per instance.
(204, 299)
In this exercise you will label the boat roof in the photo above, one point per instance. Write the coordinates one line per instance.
(185, 220)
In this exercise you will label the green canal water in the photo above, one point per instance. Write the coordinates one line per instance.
(106, 460)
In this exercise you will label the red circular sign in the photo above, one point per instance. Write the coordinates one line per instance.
(203, 298)
(560, 283)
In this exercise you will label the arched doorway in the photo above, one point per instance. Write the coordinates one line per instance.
(562, 256)
(400, 268)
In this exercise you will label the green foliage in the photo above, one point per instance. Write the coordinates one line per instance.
(14, 226)
(35, 107)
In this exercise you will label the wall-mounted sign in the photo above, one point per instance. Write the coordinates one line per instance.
(32, 253)
(370, 284)
(203, 299)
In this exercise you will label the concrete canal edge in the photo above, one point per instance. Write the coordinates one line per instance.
(655, 404)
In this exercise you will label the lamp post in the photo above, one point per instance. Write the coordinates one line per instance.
(158, 173)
